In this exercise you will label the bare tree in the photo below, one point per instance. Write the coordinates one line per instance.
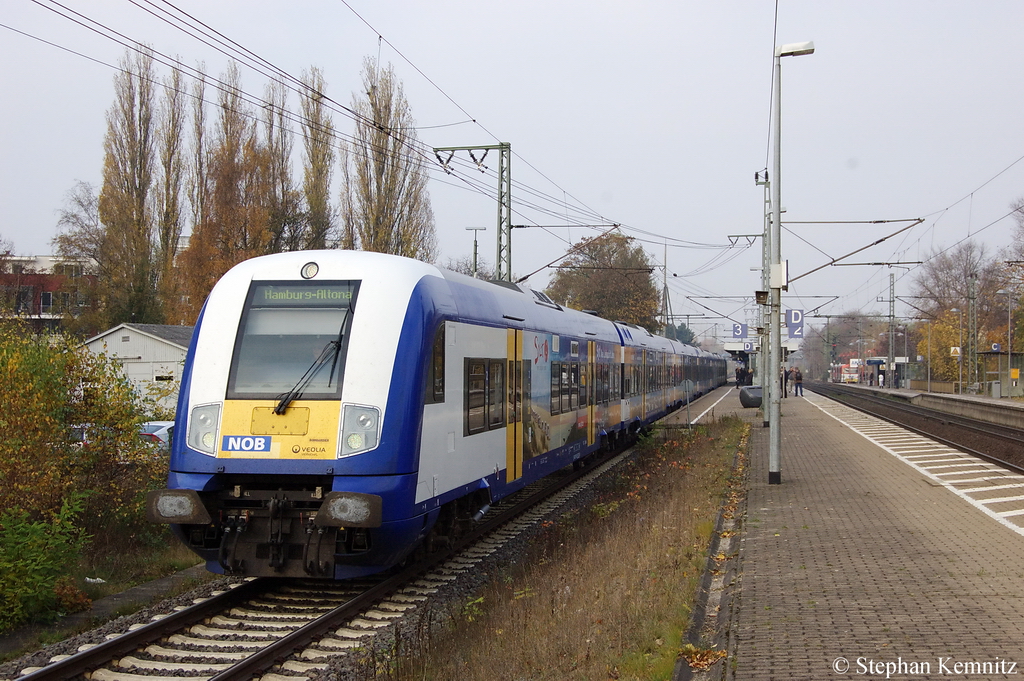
(464, 265)
(81, 236)
(169, 193)
(126, 252)
(1017, 246)
(286, 218)
(385, 204)
(198, 182)
(6, 251)
(943, 282)
(318, 138)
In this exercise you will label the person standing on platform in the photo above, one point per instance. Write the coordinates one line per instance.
(785, 382)
(798, 383)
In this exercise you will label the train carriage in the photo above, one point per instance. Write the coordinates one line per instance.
(339, 409)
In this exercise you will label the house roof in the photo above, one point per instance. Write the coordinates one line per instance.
(176, 335)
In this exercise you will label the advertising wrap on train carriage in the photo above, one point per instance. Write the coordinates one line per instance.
(557, 415)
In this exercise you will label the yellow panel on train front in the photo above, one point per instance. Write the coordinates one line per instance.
(251, 430)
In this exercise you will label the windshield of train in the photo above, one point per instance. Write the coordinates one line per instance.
(292, 340)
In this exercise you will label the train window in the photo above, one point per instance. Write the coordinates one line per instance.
(496, 395)
(515, 389)
(292, 340)
(485, 395)
(556, 400)
(435, 379)
(565, 387)
(574, 386)
(476, 395)
(604, 391)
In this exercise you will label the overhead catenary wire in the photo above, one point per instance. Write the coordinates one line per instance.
(538, 201)
(198, 30)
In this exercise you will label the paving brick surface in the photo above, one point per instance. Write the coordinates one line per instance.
(859, 566)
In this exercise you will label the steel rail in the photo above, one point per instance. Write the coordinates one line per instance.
(279, 651)
(989, 428)
(949, 419)
(103, 653)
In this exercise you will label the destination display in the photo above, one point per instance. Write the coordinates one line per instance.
(334, 294)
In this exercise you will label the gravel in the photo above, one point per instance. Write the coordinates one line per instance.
(405, 634)
(70, 646)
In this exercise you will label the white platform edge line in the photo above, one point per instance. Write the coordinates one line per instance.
(939, 481)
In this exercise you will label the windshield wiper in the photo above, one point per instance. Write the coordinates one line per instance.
(315, 368)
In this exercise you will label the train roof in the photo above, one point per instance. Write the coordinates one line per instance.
(493, 303)
(508, 304)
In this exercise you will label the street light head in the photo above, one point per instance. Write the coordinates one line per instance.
(1002, 292)
(795, 49)
(953, 309)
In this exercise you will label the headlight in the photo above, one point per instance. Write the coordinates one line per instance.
(360, 429)
(202, 428)
(350, 509)
(178, 506)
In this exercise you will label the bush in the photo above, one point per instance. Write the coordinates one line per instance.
(72, 467)
(34, 558)
(70, 426)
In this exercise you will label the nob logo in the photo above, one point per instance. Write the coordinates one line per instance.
(245, 443)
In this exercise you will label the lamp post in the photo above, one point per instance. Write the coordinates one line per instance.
(960, 357)
(475, 230)
(929, 355)
(1009, 341)
(777, 275)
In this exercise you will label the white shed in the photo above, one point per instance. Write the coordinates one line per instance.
(151, 354)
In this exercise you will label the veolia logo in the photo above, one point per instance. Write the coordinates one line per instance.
(245, 443)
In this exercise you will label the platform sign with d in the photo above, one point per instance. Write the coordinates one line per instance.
(795, 323)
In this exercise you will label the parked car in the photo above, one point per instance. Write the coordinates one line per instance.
(158, 433)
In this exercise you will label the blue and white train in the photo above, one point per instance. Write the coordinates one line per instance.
(339, 409)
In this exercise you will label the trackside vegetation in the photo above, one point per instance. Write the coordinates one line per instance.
(606, 590)
(74, 471)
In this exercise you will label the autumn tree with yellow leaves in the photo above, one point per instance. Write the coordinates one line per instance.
(612, 275)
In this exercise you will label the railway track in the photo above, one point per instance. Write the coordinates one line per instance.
(284, 629)
(992, 442)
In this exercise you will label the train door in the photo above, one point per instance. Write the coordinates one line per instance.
(591, 393)
(515, 404)
(643, 383)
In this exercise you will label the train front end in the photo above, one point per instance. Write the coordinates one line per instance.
(281, 464)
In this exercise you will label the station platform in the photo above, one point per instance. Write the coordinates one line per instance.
(881, 555)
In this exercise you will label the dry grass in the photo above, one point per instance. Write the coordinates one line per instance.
(136, 563)
(608, 589)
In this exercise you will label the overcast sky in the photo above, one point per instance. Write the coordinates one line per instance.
(653, 115)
